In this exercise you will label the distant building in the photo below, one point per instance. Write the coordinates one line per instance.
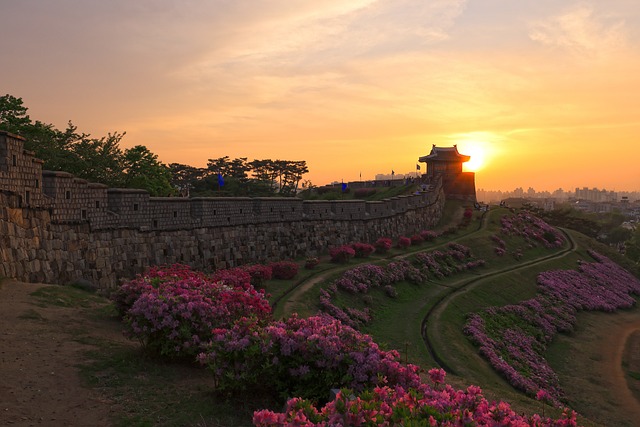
(446, 163)
(595, 195)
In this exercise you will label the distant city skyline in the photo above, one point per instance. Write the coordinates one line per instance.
(538, 92)
(584, 193)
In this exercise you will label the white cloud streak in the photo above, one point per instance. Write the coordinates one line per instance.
(582, 32)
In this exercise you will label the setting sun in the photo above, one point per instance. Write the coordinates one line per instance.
(477, 154)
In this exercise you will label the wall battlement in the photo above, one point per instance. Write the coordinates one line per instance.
(55, 227)
(74, 200)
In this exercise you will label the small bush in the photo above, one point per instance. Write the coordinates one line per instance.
(341, 254)
(428, 235)
(363, 250)
(416, 239)
(311, 263)
(468, 214)
(259, 274)
(383, 244)
(284, 270)
(404, 242)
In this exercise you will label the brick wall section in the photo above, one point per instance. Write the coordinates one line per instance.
(72, 229)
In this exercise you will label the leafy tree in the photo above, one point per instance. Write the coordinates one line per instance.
(633, 247)
(143, 170)
(184, 177)
(94, 159)
(101, 159)
(13, 115)
(618, 235)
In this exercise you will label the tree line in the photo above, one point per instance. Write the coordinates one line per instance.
(102, 160)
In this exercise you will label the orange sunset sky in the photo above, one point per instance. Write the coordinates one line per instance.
(545, 92)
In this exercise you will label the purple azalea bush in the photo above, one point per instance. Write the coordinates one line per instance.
(302, 357)
(176, 309)
(532, 229)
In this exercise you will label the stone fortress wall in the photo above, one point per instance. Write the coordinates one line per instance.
(57, 228)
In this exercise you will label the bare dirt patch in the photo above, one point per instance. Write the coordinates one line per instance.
(39, 355)
(591, 370)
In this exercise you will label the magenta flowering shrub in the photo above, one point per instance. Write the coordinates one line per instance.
(302, 357)
(532, 229)
(284, 270)
(175, 319)
(428, 235)
(341, 254)
(130, 291)
(359, 279)
(363, 250)
(258, 274)
(404, 242)
(383, 244)
(437, 405)
(514, 338)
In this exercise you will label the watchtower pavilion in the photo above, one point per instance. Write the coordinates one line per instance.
(446, 163)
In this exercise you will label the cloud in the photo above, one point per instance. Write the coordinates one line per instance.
(310, 40)
(582, 32)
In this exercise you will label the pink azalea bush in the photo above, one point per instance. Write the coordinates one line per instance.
(341, 254)
(426, 405)
(174, 317)
(363, 250)
(284, 270)
(302, 357)
(383, 244)
(514, 338)
(404, 242)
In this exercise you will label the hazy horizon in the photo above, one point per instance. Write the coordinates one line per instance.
(544, 92)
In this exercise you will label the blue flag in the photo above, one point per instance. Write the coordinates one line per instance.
(344, 187)
(220, 180)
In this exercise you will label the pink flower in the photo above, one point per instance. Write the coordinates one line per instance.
(437, 375)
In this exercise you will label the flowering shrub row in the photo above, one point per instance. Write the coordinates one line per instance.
(302, 357)
(172, 310)
(360, 279)
(514, 337)
(532, 229)
(437, 405)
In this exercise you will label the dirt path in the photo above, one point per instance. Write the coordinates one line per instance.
(40, 383)
(613, 347)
